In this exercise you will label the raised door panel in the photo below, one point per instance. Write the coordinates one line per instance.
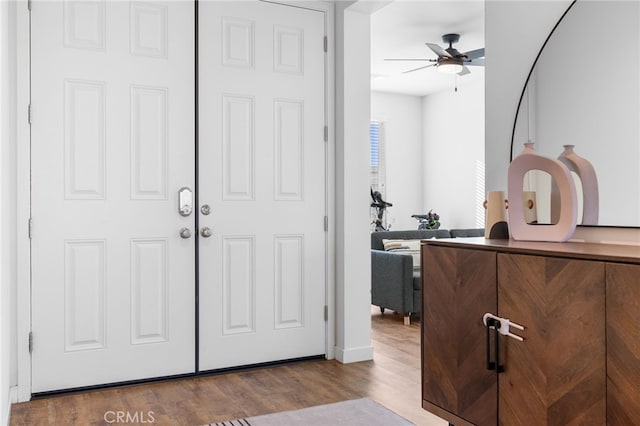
(623, 344)
(459, 287)
(84, 139)
(556, 376)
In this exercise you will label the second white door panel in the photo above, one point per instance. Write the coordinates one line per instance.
(262, 272)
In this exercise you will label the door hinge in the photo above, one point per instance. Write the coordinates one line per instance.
(326, 44)
(326, 313)
(30, 228)
(29, 114)
(326, 133)
(326, 223)
(30, 342)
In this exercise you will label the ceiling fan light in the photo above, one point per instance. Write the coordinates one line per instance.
(450, 67)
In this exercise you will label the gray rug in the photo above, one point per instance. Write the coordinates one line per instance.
(357, 412)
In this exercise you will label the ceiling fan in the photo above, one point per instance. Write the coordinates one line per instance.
(450, 60)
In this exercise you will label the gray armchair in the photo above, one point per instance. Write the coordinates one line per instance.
(395, 284)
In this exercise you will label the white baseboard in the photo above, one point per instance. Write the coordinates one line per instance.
(13, 398)
(346, 356)
(331, 352)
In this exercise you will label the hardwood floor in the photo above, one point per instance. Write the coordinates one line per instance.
(392, 379)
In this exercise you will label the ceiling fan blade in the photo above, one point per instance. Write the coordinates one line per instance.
(417, 69)
(476, 62)
(464, 71)
(438, 50)
(474, 54)
(409, 59)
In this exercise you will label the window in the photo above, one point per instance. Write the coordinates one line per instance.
(377, 163)
(377, 166)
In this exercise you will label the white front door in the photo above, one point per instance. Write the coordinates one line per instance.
(112, 144)
(262, 174)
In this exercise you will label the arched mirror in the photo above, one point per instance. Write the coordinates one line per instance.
(584, 90)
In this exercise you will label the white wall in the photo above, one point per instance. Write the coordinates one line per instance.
(8, 368)
(353, 259)
(434, 150)
(454, 150)
(402, 117)
(514, 33)
(4, 293)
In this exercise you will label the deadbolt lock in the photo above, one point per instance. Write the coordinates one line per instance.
(185, 201)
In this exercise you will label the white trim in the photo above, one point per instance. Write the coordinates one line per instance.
(331, 182)
(363, 353)
(330, 162)
(23, 186)
(329, 10)
(13, 398)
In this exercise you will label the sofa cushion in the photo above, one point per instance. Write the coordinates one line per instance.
(409, 247)
(411, 234)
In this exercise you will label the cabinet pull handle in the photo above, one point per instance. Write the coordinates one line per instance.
(490, 365)
(500, 326)
(495, 324)
(496, 342)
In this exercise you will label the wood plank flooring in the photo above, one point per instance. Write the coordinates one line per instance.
(392, 379)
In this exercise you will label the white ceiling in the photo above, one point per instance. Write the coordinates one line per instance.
(401, 29)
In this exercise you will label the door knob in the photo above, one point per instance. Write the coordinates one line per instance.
(206, 232)
(185, 233)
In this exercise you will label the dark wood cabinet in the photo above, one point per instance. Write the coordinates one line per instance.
(623, 344)
(461, 288)
(579, 362)
(556, 376)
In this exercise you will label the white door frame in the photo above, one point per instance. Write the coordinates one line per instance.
(23, 188)
(23, 213)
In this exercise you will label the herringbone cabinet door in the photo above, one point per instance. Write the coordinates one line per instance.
(623, 344)
(459, 286)
(556, 376)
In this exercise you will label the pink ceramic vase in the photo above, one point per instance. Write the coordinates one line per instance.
(587, 174)
(519, 229)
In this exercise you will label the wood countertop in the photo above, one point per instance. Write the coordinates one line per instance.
(574, 250)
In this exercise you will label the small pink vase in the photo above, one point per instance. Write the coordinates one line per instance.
(565, 226)
(587, 174)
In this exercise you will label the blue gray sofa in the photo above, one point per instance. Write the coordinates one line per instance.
(395, 283)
